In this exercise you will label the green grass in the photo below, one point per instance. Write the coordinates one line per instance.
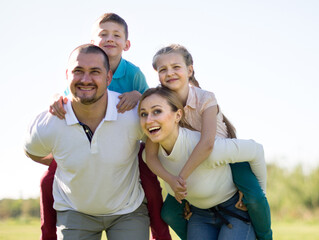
(29, 229)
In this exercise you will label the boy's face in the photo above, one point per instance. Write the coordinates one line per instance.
(110, 36)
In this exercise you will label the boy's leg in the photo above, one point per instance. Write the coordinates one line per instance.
(153, 194)
(134, 225)
(48, 214)
(254, 199)
(173, 215)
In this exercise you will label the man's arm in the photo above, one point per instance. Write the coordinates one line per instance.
(43, 160)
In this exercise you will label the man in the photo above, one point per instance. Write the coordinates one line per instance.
(96, 185)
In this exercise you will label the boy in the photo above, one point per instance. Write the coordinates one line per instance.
(110, 32)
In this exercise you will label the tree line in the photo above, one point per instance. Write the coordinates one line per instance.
(291, 194)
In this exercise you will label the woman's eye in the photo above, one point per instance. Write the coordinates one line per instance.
(157, 112)
(143, 114)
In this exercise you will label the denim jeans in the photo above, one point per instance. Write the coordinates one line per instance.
(204, 224)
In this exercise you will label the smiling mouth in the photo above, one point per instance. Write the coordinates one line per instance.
(86, 88)
(153, 130)
(171, 80)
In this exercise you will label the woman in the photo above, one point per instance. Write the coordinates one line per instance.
(210, 189)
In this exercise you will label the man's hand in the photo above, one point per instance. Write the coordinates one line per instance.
(128, 101)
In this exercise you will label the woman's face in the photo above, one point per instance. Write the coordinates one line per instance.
(158, 121)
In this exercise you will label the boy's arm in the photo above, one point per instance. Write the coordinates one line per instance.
(57, 109)
(152, 161)
(205, 145)
(43, 160)
(128, 101)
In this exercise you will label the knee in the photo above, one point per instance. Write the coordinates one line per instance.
(167, 215)
(255, 198)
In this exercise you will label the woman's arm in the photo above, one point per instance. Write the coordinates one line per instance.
(233, 150)
(177, 184)
(206, 143)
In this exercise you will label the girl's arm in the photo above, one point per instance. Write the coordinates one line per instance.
(152, 161)
(206, 143)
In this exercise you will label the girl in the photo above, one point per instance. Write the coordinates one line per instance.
(211, 190)
(174, 65)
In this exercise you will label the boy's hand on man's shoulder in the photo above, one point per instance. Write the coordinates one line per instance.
(128, 101)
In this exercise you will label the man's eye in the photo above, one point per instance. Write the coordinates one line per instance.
(77, 71)
(157, 112)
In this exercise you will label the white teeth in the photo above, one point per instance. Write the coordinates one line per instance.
(153, 128)
(86, 88)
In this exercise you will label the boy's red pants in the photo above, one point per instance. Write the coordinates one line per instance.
(150, 184)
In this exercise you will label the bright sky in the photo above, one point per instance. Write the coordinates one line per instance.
(260, 58)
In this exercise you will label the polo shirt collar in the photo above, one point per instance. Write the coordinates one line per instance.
(191, 99)
(120, 71)
(110, 115)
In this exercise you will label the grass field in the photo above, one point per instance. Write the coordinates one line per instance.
(28, 229)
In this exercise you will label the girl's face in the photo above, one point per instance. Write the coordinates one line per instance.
(172, 71)
(158, 121)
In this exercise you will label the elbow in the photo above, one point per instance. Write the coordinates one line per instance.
(209, 145)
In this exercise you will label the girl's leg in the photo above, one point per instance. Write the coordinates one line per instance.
(254, 199)
(48, 214)
(153, 194)
(173, 215)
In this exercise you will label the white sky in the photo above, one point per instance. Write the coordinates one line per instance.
(260, 58)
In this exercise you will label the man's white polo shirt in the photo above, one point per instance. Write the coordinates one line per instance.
(101, 178)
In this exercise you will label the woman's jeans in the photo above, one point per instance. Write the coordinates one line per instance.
(207, 224)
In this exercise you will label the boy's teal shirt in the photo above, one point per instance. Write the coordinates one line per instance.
(127, 78)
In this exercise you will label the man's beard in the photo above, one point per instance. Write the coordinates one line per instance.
(90, 100)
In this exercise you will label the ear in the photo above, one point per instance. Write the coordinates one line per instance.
(178, 115)
(109, 77)
(66, 74)
(127, 45)
(92, 42)
(190, 70)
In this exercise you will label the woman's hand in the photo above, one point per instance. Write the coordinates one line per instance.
(57, 109)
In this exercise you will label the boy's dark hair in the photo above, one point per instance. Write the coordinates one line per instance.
(112, 17)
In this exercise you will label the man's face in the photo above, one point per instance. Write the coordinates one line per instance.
(87, 76)
(110, 36)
